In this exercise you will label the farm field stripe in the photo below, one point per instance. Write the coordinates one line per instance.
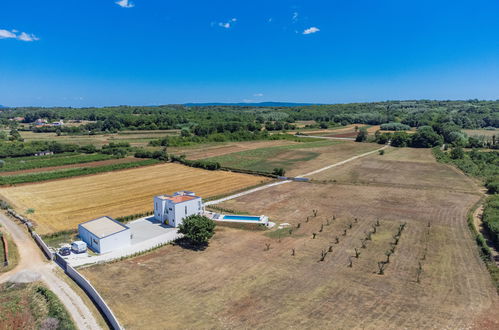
(287, 181)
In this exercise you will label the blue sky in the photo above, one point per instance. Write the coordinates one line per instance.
(148, 52)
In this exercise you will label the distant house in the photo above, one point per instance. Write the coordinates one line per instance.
(40, 121)
(172, 209)
(58, 123)
(44, 153)
(105, 234)
(18, 119)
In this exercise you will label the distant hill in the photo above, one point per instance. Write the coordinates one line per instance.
(242, 104)
(2, 107)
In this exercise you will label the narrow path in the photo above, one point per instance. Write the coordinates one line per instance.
(247, 192)
(32, 260)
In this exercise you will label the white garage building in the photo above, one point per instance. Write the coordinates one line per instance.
(104, 234)
(172, 209)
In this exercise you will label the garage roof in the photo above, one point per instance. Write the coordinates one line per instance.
(103, 226)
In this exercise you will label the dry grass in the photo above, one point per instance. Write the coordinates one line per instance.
(411, 168)
(235, 284)
(484, 132)
(62, 204)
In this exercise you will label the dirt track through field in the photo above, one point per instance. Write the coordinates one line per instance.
(32, 261)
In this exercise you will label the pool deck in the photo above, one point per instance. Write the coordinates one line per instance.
(221, 218)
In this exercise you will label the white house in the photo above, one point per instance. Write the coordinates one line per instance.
(104, 234)
(172, 209)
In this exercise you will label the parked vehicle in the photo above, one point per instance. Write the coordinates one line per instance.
(65, 251)
(79, 247)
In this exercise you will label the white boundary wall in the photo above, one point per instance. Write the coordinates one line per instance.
(90, 290)
(43, 246)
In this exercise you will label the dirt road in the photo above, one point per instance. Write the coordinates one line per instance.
(32, 261)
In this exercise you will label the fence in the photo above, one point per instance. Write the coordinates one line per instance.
(90, 290)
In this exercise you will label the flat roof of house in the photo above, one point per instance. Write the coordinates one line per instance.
(103, 226)
(178, 198)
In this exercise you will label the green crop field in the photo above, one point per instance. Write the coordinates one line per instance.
(26, 163)
(266, 159)
(67, 173)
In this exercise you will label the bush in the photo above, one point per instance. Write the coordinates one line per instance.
(457, 153)
(492, 185)
(362, 135)
(207, 165)
(279, 171)
(198, 229)
(56, 309)
(491, 217)
(394, 127)
(381, 152)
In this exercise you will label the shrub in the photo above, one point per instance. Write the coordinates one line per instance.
(457, 153)
(394, 127)
(362, 135)
(279, 171)
(492, 185)
(198, 229)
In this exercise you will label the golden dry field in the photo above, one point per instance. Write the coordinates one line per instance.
(62, 204)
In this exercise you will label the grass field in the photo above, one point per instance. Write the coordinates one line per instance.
(237, 283)
(266, 159)
(296, 159)
(61, 205)
(31, 306)
(391, 168)
(135, 138)
(33, 162)
(67, 171)
(223, 148)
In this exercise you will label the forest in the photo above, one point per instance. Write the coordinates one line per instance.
(204, 120)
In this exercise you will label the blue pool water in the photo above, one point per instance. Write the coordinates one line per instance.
(241, 218)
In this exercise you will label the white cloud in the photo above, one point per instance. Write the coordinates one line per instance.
(295, 17)
(258, 95)
(125, 4)
(227, 25)
(311, 30)
(5, 34)
(27, 37)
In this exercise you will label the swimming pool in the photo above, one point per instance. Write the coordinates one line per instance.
(241, 218)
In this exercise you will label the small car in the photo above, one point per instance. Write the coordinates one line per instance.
(65, 251)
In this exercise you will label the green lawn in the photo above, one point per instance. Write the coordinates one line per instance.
(266, 159)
